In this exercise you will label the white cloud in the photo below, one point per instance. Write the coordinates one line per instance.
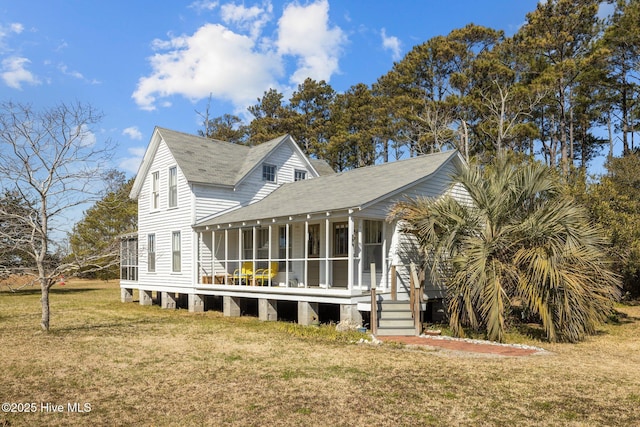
(65, 70)
(305, 33)
(391, 43)
(203, 5)
(236, 62)
(14, 27)
(213, 60)
(252, 19)
(132, 163)
(7, 30)
(14, 72)
(86, 136)
(132, 132)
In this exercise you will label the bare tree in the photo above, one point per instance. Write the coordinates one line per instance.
(51, 161)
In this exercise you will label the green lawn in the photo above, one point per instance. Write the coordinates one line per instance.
(135, 365)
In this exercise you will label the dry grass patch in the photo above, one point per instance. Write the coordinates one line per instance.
(147, 366)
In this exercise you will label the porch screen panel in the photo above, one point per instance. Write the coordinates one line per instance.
(129, 259)
(314, 241)
(247, 244)
(282, 247)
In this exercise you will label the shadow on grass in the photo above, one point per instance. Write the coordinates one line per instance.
(108, 326)
(621, 318)
(55, 290)
(533, 331)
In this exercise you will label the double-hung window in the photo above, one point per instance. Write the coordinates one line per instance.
(269, 173)
(151, 253)
(372, 231)
(176, 252)
(173, 187)
(340, 239)
(155, 190)
(299, 175)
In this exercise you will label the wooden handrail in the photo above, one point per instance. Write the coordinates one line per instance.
(374, 301)
(394, 284)
(416, 303)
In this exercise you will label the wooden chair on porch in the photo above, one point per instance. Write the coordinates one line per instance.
(243, 274)
(263, 274)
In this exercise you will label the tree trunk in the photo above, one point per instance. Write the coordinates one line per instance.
(44, 287)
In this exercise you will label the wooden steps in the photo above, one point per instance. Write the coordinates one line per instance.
(395, 319)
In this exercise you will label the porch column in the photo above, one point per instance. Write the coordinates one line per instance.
(254, 253)
(240, 247)
(308, 313)
(145, 298)
(226, 256)
(306, 254)
(360, 253)
(267, 309)
(168, 300)
(231, 306)
(350, 313)
(385, 273)
(196, 303)
(213, 256)
(350, 248)
(327, 243)
(286, 254)
(198, 251)
(126, 294)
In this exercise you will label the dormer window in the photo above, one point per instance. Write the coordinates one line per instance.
(269, 173)
(299, 175)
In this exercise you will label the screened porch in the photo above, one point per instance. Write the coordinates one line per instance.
(321, 253)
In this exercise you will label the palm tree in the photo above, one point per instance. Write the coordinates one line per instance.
(517, 239)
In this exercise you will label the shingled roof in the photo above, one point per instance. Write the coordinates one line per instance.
(209, 161)
(354, 189)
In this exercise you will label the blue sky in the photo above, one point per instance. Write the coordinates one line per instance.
(145, 63)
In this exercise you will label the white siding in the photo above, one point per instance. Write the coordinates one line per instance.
(434, 186)
(404, 247)
(211, 200)
(163, 222)
(286, 162)
(196, 201)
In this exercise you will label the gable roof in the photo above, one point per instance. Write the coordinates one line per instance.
(322, 167)
(209, 161)
(354, 189)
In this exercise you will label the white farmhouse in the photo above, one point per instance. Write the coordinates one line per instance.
(256, 226)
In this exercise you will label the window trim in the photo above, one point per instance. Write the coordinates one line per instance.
(299, 174)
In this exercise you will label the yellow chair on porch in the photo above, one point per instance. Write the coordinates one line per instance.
(263, 274)
(245, 273)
